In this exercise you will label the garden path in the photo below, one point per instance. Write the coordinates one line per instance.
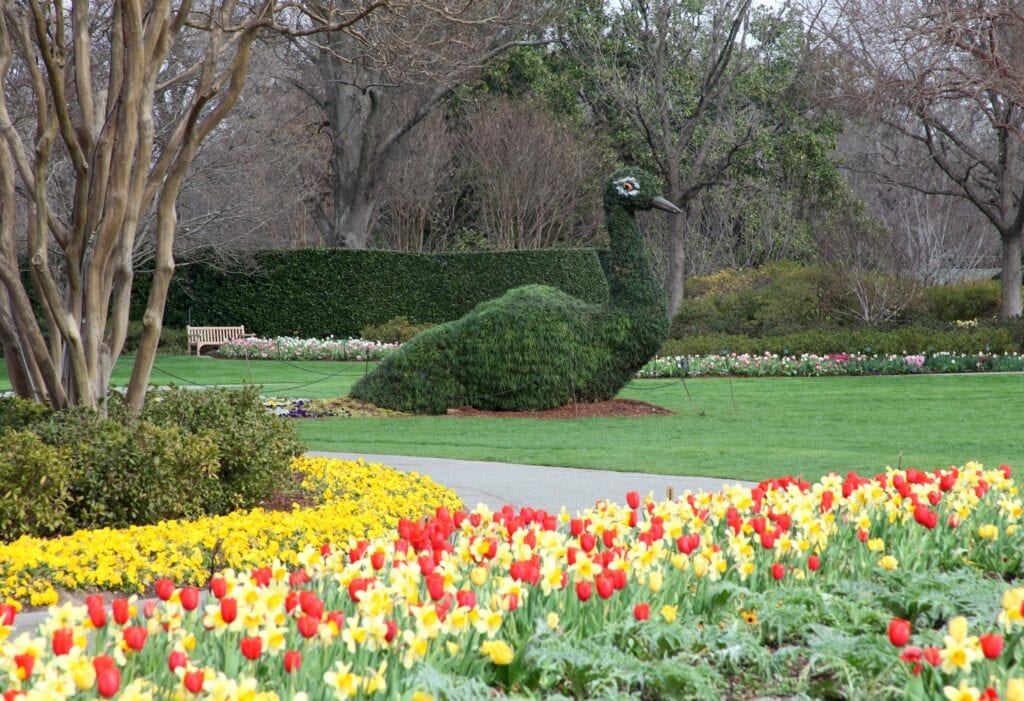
(541, 487)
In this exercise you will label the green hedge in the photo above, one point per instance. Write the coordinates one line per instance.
(996, 338)
(315, 292)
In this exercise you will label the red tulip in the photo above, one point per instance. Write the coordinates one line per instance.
(292, 660)
(466, 598)
(164, 589)
(813, 563)
(261, 576)
(252, 648)
(135, 637)
(778, 571)
(605, 586)
(587, 542)
(101, 662)
(608, 537)
(121, 610)
(25, 662)
(218, 587)
(337, 618)
(377, 559)
(633, 499)
(767, 540)
(583, 590)
(391, 631)
(97, 612)
(933, 655)
(307, 626)
(149, 608)
(176, 659)
(108, 681)
(576, 527)
(7, 614)
(991, 645)
(642, 612)
(189, 598)
(899, 632)
(228, 609)
(435, 585)
(311, 604)
(194, 680)
(63, 640)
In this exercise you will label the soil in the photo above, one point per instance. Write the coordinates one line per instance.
(572, 410)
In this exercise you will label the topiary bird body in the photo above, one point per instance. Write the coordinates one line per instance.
(537, 347)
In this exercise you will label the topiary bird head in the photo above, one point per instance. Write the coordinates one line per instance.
(635, 188)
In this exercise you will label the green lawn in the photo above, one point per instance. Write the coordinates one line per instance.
(744, 429)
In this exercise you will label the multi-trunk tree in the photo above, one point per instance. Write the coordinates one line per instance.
(89, 85)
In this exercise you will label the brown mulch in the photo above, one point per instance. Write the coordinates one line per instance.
(283, 498)
(572, 410)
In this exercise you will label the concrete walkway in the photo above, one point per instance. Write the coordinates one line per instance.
(496, 484)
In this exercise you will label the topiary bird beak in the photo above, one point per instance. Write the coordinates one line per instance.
(662, 203)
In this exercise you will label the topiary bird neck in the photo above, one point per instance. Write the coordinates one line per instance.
(632, 286)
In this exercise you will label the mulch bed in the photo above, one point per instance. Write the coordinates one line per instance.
(572, 410)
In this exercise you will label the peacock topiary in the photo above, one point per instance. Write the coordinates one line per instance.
(536, 347)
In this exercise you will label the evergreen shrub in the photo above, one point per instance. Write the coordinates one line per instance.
(17, 413)
(132, 473)
(36, 491)
(254, 447)
(397, 330)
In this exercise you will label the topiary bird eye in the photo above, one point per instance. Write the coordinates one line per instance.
(629, 187)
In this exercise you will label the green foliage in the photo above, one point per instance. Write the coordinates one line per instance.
(961, 302)
(996, 338)
(17, 413)
(316, 293)
(254, 447)
(173, 341)
(775, 298)
(132, 473)
(35, 493)
(397, 330)
(537, 347)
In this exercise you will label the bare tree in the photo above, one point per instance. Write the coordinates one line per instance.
(97, 77)
(376, 85)
(949, 75)
(938, 236)
(418, 178)
(534, 183)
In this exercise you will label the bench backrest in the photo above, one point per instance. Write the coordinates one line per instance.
(214, 334)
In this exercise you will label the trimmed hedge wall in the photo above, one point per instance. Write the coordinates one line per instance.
(1007, 337)
(315, 292)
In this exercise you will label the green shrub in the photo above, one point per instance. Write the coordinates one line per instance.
(17, 413)
(35, 493)
(961, 302)
(173, 341)
(133, 473)
(255, 447)
(776, 298)
(397, 330)
(1002, 338)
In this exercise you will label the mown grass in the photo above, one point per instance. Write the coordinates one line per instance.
(750, 428)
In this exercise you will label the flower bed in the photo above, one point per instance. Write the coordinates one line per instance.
(355, 500)
(767, 365)
(287, 348)
(902, 585)
(807, 365)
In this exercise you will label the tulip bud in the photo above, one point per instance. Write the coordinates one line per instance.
(108, 681)
(292, 660)
(642, 612)
(991, 645)
(583, 590)
(189, 598)
(62, 642)
(194, 681)
(252, 648)
(176, 659)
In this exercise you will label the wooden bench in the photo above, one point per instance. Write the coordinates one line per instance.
(200, 336)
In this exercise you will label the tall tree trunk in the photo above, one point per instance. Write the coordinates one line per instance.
(676, 260)
(1010, 278)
